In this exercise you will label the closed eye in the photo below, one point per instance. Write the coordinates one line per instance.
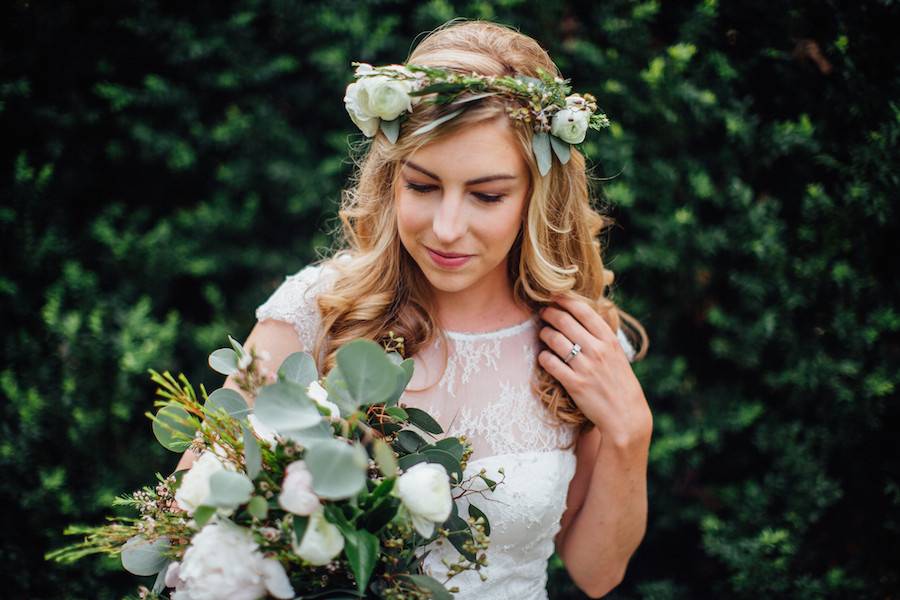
(424, 189)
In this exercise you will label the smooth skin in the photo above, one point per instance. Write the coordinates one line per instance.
(447, 208)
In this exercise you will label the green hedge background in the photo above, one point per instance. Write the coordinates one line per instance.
(164, 165)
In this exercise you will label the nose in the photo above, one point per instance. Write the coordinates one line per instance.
(450, 219)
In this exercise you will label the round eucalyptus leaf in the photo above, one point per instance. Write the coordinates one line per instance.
(310, 435)
(224, 361)
(300, 368)
(563, 150)
(285, 405)
(174, 428)
(369, 373)
(338, 392)
(336, 469)
(252, 454)
(230, 400)
(143, 557)
(228, 489)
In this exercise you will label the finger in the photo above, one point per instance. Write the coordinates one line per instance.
(556, 367)
(556, 341)
(589, 318)
(565, 323)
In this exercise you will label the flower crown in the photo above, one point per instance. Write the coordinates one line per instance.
(381, 96)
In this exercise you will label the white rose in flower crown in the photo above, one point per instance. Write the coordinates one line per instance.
(570, 125)
(194, 487)
(297, 495)
(377, 97)
(320, 396)
(322, 541)
(425, 491)
(223, 561)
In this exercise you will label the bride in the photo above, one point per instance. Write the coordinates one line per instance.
(489, 269)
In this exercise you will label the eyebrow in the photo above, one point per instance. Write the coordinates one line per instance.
(413, 165)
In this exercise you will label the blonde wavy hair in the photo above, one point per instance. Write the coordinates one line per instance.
(557, 249)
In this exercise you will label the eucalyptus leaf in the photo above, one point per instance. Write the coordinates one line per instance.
(339, 393)
(405, 462)
(451, 445)
(229, 400)
(446, 460)
(476, 512)
(309, 435)
(159, 584)
(285, 405)
(368, 372)
(540, 143)
(432, 585)
(563, 150)
(174, 428)
(410, 441)
(460, 535)
(384, 457)
(143, 557)
(391, 129)
(228, 489)
(202, 514)
(423, 420)
(224, 361)
(252, 454)
(397, 413)
(436, 122)
(362, 553)
(336, 470)
(238, 348)
(258, 507)
(464, 99)
(300, 368)
(404, 374)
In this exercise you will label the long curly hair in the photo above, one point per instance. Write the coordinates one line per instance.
(557, 250)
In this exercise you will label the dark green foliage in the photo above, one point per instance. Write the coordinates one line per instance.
(164, 166)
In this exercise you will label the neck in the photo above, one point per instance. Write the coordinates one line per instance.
(485, 305)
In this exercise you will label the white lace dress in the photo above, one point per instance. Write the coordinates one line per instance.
(485, 394)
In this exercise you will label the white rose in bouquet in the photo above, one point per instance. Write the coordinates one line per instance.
(322, 541)
(223, 561)
(194, 488)
(263, 430)
(320, 397)
(570, 125)
(297, 495)
(425, 491)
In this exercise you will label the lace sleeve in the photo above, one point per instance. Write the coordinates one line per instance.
(294, 302)
(626, 345)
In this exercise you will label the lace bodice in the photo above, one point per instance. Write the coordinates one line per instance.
(485, 394)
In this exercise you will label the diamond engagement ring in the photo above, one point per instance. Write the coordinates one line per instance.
(573, 353)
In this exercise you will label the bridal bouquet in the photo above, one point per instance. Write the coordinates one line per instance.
(320, 490)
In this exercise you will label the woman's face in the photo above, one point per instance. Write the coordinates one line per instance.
(464, 194)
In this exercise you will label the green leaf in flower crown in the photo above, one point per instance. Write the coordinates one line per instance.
(284, 405)
(391, 129)
(338, 470)
(300, 368)
(369, 373)
(229, 400)
(423, 420)
(431, 585)
(174, 428)
(252, 454)
(436, 122)
(228, 489)
(446, 460)
(224, 361)
(563, 150)
(540, 143)
(143, 557)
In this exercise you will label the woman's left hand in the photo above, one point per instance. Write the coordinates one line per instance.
(599, 379)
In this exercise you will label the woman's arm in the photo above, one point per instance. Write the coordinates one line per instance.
(607, 528)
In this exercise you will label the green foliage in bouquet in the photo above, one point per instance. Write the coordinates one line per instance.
(323, 488)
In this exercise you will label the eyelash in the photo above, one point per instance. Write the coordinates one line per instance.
(424, 189)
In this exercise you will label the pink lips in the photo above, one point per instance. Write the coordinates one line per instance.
(448, 261)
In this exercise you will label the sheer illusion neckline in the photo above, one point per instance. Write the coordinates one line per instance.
(494, 333)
